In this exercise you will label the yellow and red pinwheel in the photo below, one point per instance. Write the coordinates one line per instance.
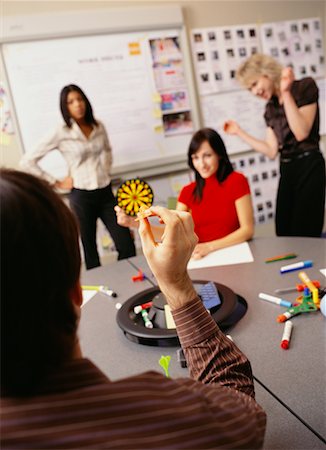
(134, 193)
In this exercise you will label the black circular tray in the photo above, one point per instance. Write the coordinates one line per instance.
(230, 311)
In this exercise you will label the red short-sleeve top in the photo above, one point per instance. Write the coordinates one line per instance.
(215, 216)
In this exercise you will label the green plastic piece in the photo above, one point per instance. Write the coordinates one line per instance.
(164, 362)
(306, 306)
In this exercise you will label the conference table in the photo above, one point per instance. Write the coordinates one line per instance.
(289, 384)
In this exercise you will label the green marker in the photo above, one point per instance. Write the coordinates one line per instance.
(281, 257)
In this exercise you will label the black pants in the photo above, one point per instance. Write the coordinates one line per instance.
(300, 203)
(89, 206)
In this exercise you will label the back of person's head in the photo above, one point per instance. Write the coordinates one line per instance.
(216, 142)
(89, 117)
(40, 265)
(259, 65)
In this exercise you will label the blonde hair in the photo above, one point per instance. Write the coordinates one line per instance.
(259, 65)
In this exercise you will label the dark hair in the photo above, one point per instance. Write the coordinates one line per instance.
(217, 144)
(89, 118)
(40, 265)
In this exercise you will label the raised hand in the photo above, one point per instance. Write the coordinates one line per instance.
(231, 127)
(287, 78)
(168, 259)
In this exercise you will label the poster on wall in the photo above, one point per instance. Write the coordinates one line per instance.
(218, 52)
(170, 82)
(296, 43)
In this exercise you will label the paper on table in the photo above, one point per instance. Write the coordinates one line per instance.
(87, 295)
(236, 254)
(323, 271)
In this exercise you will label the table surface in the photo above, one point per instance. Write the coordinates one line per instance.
(295, 376)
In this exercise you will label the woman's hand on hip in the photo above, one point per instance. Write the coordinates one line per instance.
(66, 184)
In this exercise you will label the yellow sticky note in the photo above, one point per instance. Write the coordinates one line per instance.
(158, 129)
(156, 98)
(134, 48)
(170, 324)
(157, 113)
(5, 139)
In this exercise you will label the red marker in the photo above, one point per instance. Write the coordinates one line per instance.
(286, 335)
(139, 277)
(139, 308)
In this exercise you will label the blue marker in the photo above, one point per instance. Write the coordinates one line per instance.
(296, 266)
(276, 300)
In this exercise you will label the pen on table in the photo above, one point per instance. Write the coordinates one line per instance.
(276, 300)
(286, 335)
(139, 308)
(298, 287)
(147, 321)
(296, 266)
(103, 289)
(281, 257)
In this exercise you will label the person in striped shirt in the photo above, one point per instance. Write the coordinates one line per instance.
(52, 397)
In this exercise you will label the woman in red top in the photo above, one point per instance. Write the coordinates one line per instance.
(219, 200)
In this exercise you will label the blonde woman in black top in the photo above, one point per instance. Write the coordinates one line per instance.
(292, 120)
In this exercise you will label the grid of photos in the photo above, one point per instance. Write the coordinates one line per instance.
(170, 83)
(217, 52)
(296, 43)
(262, 174)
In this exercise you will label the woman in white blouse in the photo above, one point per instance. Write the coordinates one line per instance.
(84, 144)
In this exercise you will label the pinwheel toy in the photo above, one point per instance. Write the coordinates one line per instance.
(134, 193)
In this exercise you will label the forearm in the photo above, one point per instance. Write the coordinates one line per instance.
(30, 164)
(297, 122)
(259, 145)
(211, 357)
(242, 234)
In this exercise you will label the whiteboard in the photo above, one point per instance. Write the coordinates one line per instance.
(240, 106)
(147, 107)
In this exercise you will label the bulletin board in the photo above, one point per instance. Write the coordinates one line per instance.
(218, 52)
(134, 68)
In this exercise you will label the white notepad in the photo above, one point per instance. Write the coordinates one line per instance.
(236, 254)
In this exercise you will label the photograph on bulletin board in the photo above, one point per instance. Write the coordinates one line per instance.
(170, 82)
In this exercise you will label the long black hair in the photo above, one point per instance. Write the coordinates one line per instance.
(216, 142)
(89, 118)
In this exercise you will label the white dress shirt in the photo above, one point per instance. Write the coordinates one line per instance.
(89, 160)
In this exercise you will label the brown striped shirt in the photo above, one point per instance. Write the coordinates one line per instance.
(79, 407)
